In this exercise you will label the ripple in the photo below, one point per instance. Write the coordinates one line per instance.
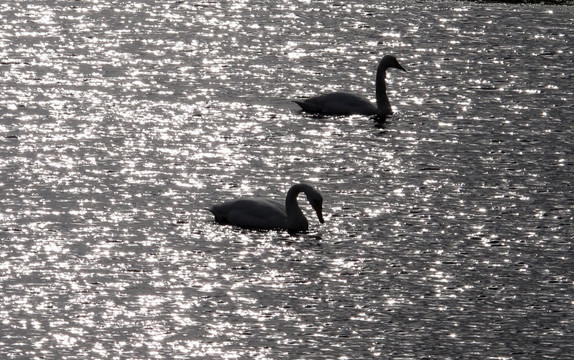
(446, 227)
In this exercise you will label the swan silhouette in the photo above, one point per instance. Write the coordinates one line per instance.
(262, 213)
(340, 103)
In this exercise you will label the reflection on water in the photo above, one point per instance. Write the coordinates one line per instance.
(448, 228)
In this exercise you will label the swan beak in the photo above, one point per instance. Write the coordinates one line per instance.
(319, 210)
(401, 68)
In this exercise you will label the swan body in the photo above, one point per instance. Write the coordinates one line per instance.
(340, 103)
(260, 213)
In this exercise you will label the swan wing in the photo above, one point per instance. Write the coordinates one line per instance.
(252, 213)
(338, 104)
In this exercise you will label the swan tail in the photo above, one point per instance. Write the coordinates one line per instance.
(217, 213)
(308, 107)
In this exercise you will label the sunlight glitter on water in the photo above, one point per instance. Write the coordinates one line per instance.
(115, 143)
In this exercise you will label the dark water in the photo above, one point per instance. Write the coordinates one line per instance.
(448, 229)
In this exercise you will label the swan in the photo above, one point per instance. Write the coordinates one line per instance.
(262, 213)
(340, 103)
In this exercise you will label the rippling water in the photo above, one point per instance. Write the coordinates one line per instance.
(448, 229)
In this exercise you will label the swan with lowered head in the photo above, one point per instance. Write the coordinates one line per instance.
(261, 213)
(340, 103)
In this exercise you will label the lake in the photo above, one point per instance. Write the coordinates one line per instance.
(448, 227)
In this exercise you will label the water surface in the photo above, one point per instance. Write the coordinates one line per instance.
(448, 228)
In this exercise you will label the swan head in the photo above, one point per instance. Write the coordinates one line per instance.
(389, 61)
(316, 201)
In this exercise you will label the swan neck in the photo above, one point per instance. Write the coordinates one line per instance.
(296, 220)
(383, 105)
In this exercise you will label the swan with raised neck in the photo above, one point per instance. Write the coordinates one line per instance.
(261, 213)
(340, 103)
